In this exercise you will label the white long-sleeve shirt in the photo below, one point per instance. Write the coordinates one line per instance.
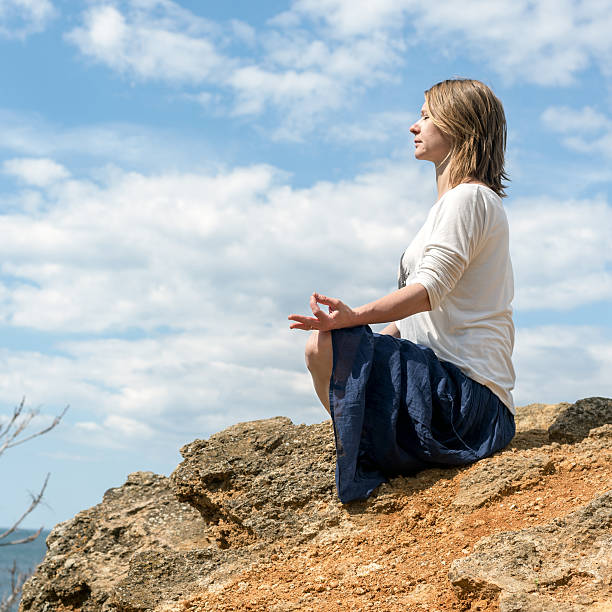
(461, 257)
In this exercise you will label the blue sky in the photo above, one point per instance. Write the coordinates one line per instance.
(177, 177)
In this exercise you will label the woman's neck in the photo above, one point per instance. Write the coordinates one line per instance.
(443, 178)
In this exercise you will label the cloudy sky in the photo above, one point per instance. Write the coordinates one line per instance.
(177, 177)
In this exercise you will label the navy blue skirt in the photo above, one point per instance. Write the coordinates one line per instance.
(397, 409)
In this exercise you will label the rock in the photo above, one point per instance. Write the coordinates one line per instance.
(532, 423)
(515, 563)
(252, 485)
(159, 577)
(537, 416)
(257, 500)
(601, 433)
(520, 602)
(89, 554)
(264, 480)
(574, 422)
(500, 476)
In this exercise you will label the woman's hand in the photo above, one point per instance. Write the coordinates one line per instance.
(397, 305)
(340, 315)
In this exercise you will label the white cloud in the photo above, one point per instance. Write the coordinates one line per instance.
(173, 47)
(40, 172)
(218, 261)
(176, 288)
(168, 388)
(560, 251)
(296, 72)
(129, 428)
(546, 42)
(20, 18)
(566, 120)
(562, 363)
(321, 54)
(379, 127)
(244, 32)
(307, 78)
(159, 243)
(256, 87)
(126, 144)
(585, 130)
(63, 456)
(346, 19)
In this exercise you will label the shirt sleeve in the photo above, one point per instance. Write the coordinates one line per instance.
(457, 230)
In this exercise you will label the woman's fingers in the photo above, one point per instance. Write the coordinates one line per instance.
(316, 311)
(309, 323)
(328, 301)
(300, 326)
(321, 320)
(313, 305)
(333, 304)
(304, 320)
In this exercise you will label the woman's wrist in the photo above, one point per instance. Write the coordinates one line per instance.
(360, 315)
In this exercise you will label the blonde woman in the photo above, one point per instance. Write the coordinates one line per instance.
(434, 388)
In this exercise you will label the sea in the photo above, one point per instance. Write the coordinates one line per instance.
(26, 556)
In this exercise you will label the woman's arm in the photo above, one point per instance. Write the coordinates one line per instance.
(397, 305)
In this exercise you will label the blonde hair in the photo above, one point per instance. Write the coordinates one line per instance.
(473, 118)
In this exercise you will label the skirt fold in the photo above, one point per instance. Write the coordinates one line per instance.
(397, 409)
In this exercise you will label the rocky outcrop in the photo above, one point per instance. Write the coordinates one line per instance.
(155, 540)
(501, 476)
(250, 520)
(262, 481)
(529, 568)
(576, 421)
(529, 564)
(90, 555)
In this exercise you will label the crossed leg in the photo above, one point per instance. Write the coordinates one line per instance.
(319, 360)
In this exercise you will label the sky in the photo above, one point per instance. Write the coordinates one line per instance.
(176, 177)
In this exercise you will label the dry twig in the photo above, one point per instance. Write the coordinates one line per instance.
(36, 499)
(19, 422)
(12, 433)
(17, 579)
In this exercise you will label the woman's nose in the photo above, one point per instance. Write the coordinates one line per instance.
(414, 128)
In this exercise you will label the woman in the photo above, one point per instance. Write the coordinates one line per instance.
(434, 388)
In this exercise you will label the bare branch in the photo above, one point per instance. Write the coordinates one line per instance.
(13, 432)
(19, 425)
(17, 579)
(16, 412)
(36, 499)
(5, 431)
(25, 540)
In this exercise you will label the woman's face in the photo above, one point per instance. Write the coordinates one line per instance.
(429, 142)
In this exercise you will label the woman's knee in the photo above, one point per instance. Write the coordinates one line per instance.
(319, 358)
(318, 352)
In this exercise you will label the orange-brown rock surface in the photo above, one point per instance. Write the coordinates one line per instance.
(250, 521)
